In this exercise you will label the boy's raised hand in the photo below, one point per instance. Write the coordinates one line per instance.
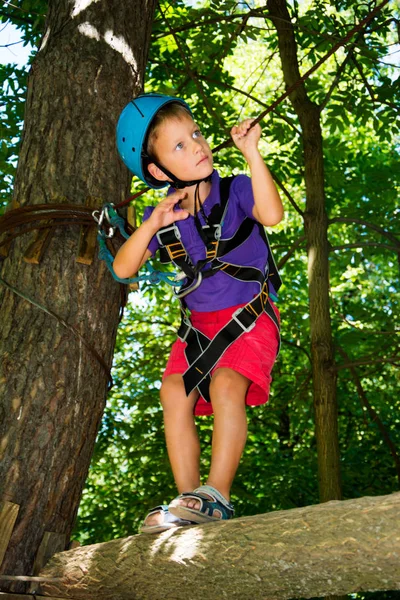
(246, 139)
(164, 213)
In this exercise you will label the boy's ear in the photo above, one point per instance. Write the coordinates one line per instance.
(157, 173)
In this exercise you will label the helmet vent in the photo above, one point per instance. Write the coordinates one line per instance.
(123, 139)
(133, 150)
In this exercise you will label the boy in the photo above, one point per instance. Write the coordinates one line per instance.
(161, 143)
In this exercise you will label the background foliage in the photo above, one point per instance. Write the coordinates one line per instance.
(222, 58)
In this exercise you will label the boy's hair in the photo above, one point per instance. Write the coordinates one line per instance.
(172, 110)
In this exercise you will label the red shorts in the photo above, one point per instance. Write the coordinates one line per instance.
(252, 354)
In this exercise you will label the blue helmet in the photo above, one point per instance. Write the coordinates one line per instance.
(132, 129)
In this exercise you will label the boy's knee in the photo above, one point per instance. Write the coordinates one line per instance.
(228, 385)
(173, 394)
(170, 388)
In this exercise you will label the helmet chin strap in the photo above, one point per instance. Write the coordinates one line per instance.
(179, 184)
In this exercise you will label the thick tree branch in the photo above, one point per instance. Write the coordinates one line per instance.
(281, 555)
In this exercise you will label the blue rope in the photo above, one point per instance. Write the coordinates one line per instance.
(153, 276)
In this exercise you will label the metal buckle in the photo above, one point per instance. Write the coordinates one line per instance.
(188, 328)
(165, 229)
(235, 318)
(217, 230)
(193, 287)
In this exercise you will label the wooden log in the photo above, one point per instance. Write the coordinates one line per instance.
(37, 248)
(8, 516)
(88, 236)
(329, 549)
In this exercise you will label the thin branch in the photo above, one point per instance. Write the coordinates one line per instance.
(12, 18)
(365, 80)
(368, 361)
(287, 194)
(257, 12)
(294, 345)
(368, 331)
(290, 252)
(373, 226)
(365, 244)
(335, 82)
(239, 29)
(372, 413)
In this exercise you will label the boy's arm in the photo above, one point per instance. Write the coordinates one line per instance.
(134, 252)
(268, 208)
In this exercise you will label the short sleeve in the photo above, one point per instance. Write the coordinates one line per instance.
(153, 245)
(242, 189)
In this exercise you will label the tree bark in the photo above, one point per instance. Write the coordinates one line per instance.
(316, 230)
(332, 548)
(90, 64)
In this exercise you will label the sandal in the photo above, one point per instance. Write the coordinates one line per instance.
(213, 506)
(169, 521)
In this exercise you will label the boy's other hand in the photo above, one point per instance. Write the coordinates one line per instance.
(246, 139)
(164, 213)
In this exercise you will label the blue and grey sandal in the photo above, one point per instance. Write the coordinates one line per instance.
(169, 521)
(213, 506)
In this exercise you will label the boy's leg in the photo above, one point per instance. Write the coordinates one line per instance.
(228, 391)
(181, 436)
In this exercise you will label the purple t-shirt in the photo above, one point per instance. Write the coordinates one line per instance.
(222, 291)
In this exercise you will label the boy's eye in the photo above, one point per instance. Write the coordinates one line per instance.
(196, 133)
(179, 146)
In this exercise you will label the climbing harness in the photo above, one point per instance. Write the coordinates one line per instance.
(202, 353)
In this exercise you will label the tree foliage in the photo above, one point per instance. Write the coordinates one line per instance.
(222, 58)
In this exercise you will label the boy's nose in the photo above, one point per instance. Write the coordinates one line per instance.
(196, 146)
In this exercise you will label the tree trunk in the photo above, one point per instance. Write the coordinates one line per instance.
(91, 62)
(331, 548)
(316, 230)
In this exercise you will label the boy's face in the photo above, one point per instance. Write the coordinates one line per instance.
(181, 148)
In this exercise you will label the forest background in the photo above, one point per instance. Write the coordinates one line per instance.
(222, 57)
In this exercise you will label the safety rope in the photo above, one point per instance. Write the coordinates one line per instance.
(71, 328)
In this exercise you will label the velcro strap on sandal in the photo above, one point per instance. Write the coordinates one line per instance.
(215, 495)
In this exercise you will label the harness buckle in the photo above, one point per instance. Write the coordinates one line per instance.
(235, 316)
(173, 228)
(191, 288)
(217, 230)
(188, 324)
